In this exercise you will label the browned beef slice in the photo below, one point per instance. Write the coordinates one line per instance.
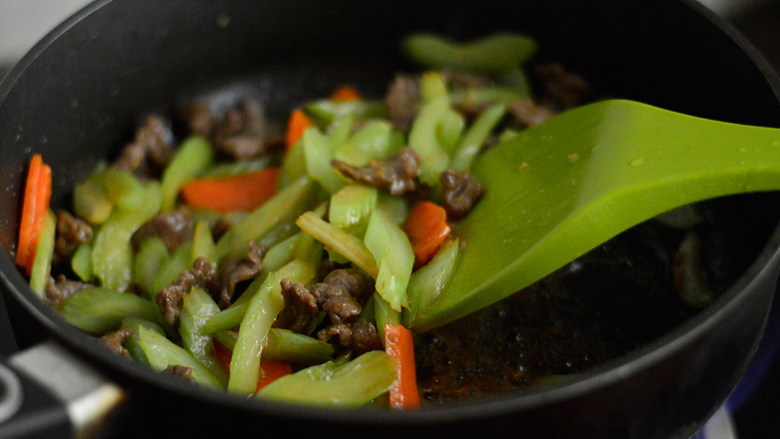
(71, 232)
(115, 340)
(243, 132)
(174, 228)
(565, 89)
(170, 299)
(528, 113)
(151, 147)
(300, 307)
(62, 288)
(360, 336)
(402, 101)
(397, 174)
(233, 271)
(460, 191)
(198, 119)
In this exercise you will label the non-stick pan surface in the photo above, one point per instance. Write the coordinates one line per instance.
(77, 97)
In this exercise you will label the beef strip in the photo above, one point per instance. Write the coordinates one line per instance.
(528, 113)
(564, 89)
(460, 191)
(71, 232)
(151, 148)
(115, 340)
(62, 288)
(402, 101)
(300, 307)
(233, 271)
(198, 119)
(397, 174)
(173, 228)
(360, 336)
(171, 298)
(242, 133)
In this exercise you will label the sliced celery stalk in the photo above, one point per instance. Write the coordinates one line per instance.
(390, 246)
(326, 111)
(351, 207)
(375, 141)
(131, 344)
(383, 314)
(198, 306)
(293, 167)
(285, 345)
(180, 260)
(281, 253)
(427, 283)
(161, 353)
(152, 254)
(99, 310)
(81, 262)
(91, 200)
(347, 245)
(42, 262)
(203, 243)
(476, 136)
(425, 142)
(193, 156)
(318, 153)
(350, 384)
(450, 129)
(112, 253)
(123, 188)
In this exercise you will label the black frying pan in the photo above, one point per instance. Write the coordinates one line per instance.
(78, 95)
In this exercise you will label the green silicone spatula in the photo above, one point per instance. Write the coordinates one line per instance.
(557, 190)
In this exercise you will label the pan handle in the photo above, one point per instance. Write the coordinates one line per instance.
(46, 391)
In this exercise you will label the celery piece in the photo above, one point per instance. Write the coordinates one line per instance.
(347, 245)
(395, 208)
(432, 85)
(293, 167)
(495, 53)
(340, 130)
(285, 345)
(279, 232)
(383, 314)
(318, 153)
(203, 243)
(351, 207)
(390, 246)
(351, 384)
(193, 156)
(325, 111)
(485, 96)
(293, 198)
(99, 310)
(132, 346)
(81, 262)
(112, 253)
(280, 253)
(425, 142)
(122, 187)
(91, 201)
(231, 317)
(427, 283)
(152, 254)
(42, 262)
(306, 247)
(476, 136)
(161, 353)
(450, 129)
(236, 168)
(179, 261)
(196, 308)
(375, 141)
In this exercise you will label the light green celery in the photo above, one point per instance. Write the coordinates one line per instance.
(81, 262)
(325, 111)
(291, 199)
(350, 384)
(122, 187)
(231, 317)
(318, 153)
(306, 247)
(203, 243)
(346, 244)
(112, 252)
(395, 208)
(42, 262)
(280, 253)
(351, 207)
(293, 167)
(425, 142)
(179, 261)
(91, 200)
(384, 314)
(99, 310)
(132, 346)
(152, 255)
(450, 129)
(432, 85)
(285, 345)
(161, 353)
(280, 231)
(236, 168)
(427, 283)
(390, 246)
(375, 141)
(197, 307)
(193, 156)
(485, 96)
(340, 129)
(476, 136)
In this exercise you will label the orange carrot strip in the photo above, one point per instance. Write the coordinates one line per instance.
(296, 125)
(399, 344)
(37, 194)
(272, 370)
(427, 228)
(232, 193)
(345, 93)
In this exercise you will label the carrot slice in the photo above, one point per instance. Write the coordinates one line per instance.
(399, 344)
(296, 125)
(37, 195)
(272, 370)
(345, 93)
(427, 228)
(236, 192)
